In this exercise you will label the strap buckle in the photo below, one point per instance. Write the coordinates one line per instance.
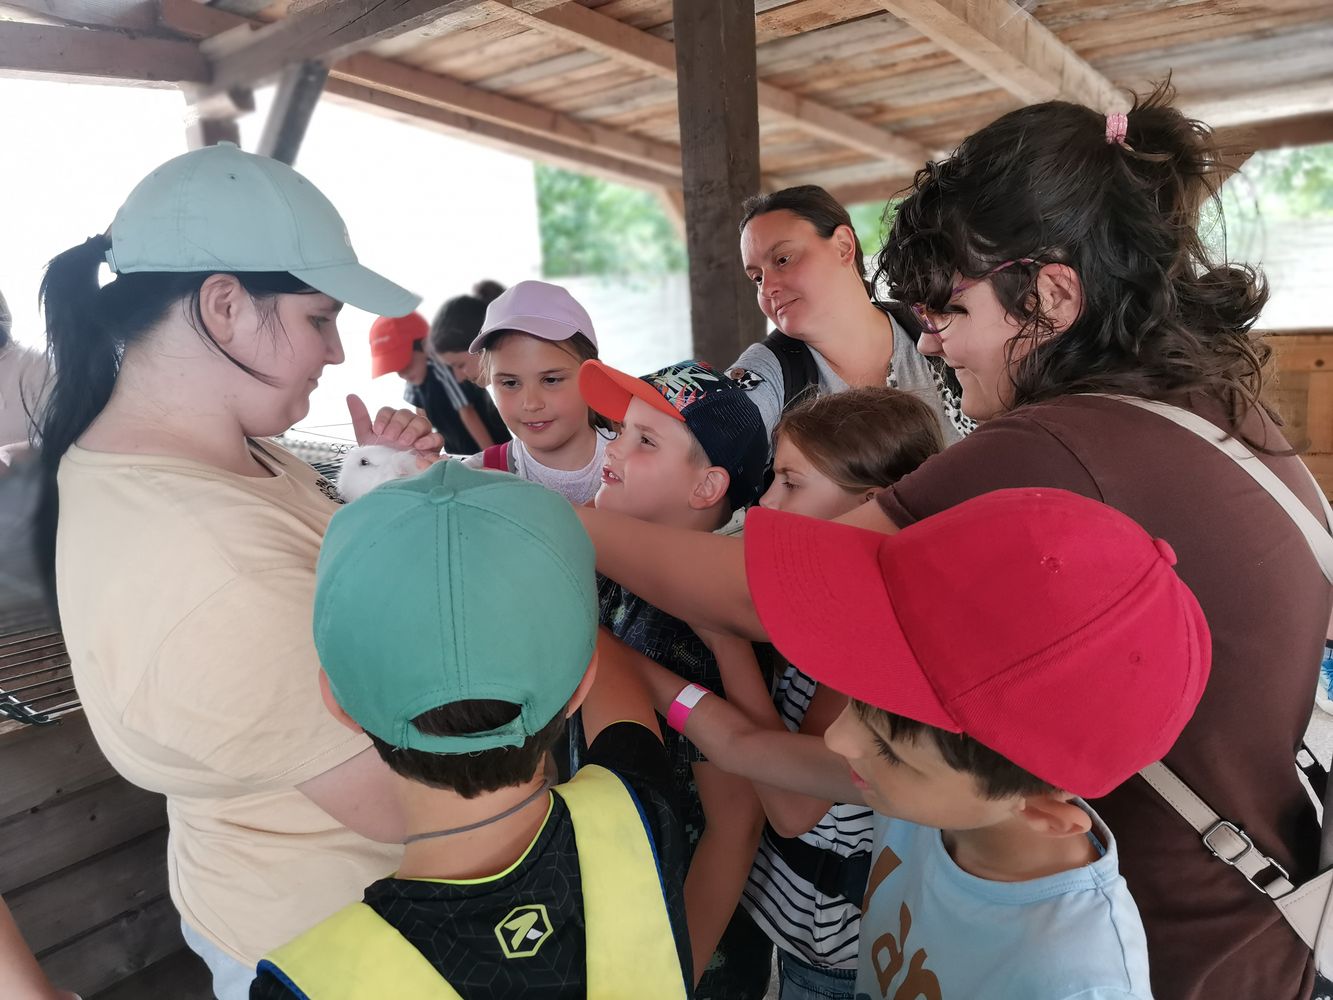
(1246, 848)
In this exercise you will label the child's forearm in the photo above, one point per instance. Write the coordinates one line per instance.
(21, 978)
(722, 859)
(695, 575)
(618, 693)
(744, 681)
(793, 761)
(732, 741)
(790, 813)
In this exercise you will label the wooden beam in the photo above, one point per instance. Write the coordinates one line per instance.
(588, 29)
(441, 92)
(293, 107)
(58, 50)
(510, 140)
(125, 15)
(1010, 47)
(1266, 105)
(327, 31)
(1279, 133)
(855, 194)
(719, 140)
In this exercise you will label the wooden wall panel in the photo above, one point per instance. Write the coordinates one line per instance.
(1302, 390)
(83, 862)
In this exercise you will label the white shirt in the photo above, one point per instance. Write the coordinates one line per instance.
(578, 486)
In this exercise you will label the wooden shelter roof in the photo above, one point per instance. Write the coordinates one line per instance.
(853, 94)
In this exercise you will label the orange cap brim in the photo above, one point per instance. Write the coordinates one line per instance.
(608, 391)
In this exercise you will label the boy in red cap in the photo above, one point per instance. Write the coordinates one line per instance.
(1006, 659)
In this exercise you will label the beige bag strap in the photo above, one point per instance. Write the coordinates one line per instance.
(1303, 907)
(1316, 535)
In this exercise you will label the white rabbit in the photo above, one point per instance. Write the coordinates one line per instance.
(365, 467)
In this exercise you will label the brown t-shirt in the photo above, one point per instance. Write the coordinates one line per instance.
(1210, 934)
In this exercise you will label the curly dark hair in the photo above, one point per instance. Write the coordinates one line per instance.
(1159, 320)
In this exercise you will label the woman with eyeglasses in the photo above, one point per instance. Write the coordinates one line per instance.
(1057, 264)
(808, 269)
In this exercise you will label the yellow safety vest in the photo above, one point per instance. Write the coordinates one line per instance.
(631, 950)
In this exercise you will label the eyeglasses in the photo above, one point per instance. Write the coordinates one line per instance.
(935, 327)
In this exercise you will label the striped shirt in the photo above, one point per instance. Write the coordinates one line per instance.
(820, 930)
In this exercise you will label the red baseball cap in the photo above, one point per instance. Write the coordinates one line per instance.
(1047, 626)
(391, 340)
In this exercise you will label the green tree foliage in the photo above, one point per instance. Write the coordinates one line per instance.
(1284, 184)
(590, 226)
(872, 220)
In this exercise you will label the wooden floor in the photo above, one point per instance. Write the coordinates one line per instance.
(182, 976)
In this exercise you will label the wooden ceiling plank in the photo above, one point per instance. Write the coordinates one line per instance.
(1006, 44)
(601, 33)
(328, 30)
(523, 144)
(438, 91)
(61, 50)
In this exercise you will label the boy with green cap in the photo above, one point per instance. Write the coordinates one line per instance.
(462, 661)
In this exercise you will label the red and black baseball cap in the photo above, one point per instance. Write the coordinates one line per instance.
(1047, 626)
(717, 410)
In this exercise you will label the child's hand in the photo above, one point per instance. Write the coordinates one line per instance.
(405, 430)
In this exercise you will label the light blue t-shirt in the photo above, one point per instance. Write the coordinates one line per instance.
(931, 931)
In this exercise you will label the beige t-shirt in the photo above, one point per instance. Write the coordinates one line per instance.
(185, 596)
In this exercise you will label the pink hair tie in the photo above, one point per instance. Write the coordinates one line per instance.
(1116, 126)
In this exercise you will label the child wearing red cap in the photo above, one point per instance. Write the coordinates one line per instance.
(1005, 659)
(398, 344)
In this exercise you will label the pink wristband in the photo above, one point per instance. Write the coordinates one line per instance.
(690, 695)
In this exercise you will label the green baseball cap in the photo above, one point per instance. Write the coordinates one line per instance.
(222, 209)
(454, 585)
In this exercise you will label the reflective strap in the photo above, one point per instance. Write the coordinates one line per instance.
(631, 950)
(356, 954)
(1228, 842)
(1316, 535)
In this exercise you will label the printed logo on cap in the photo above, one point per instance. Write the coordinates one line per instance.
(685, 386)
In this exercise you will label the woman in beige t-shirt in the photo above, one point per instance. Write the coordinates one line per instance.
(185, 544)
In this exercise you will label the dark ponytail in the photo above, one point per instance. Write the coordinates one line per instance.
(88, 327)
(83, 352)
(461, 318)
(1160, 318)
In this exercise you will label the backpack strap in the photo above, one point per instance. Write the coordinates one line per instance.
(631, 950)
(1316, 534)
(496, 457)
(1308, 909)
(799, 371)
(355, 953)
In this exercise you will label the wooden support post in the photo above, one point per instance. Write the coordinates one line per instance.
(293, 107)
(211, 118)
(717, 98)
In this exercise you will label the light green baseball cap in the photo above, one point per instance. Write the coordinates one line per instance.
(454, 585)
(221, 209)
